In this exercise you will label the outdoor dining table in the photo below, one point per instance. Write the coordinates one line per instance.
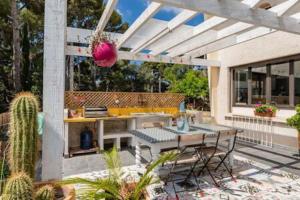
(166, 137)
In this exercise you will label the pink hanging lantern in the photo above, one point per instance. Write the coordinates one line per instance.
(104, 51)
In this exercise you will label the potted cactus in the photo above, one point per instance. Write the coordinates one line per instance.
(22, 153)
(294, 122)
(20, 187)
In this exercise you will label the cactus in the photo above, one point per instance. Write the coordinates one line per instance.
(18, 187)
(45, 193)
(23, 132)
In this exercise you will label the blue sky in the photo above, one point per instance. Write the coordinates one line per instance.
(131, 9)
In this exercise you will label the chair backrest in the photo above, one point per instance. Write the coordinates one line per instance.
(191, 139)
(227, 135)
(152, 124)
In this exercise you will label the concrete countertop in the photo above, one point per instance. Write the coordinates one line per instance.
(132, 116)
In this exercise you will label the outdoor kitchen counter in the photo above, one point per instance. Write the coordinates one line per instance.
(134, 121)
(83, 119)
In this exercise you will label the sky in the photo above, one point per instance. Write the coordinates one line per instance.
(131, 9)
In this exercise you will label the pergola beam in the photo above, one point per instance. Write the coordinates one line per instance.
(82, 36)
(124, 55)
(199, 29)
(280, 10)
(235, 10)
(181, 18)
(109, 8)
(139, 22)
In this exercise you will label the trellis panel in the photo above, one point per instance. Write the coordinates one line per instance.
(126, 99)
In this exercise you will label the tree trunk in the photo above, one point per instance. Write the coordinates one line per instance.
(16, 46)
(26, 71)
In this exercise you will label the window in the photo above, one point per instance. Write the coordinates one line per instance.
(276, 81)
(280, 83)
(259, 75)
(297, 81)
(241, 86)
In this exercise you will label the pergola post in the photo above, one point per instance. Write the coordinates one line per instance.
(54, 87)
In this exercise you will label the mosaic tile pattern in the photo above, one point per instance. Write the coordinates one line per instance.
(253, 181)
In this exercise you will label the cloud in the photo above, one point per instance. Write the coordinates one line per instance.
(171, 9)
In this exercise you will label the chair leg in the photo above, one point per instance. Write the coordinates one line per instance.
(204, 166)
(228, 170)
(222, 161)
(212, 177)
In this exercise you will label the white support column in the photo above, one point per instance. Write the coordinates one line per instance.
(54, 88)
(101, 134)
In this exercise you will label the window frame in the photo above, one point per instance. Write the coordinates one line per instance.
(290, 60)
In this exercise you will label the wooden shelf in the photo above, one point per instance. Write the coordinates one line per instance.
(78, 151)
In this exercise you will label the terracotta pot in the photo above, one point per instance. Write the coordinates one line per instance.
(130, 187)
(268, 114)
(67, 191)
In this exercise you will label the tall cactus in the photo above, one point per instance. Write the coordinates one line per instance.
(23, 132)
(18, 187)
(45, 193)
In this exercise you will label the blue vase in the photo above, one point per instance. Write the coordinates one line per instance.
(186, 126)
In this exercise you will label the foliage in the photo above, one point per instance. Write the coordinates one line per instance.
(192, 85)
(265, 108)
(294, 121)
(18, 187)
(45, 193)
(115, 186)
(23, 133)
(32, 19)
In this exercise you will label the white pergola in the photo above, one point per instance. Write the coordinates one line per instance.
(231, 22)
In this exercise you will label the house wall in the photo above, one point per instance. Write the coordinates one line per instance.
(275, 45)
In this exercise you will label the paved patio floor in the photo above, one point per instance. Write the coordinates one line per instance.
(277, 158)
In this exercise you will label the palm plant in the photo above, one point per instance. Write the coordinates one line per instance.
(115, 187)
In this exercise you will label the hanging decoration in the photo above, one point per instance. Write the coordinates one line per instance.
(104, 50)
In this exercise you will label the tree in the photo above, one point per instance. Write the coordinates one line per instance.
(194, 86)
(16, 45)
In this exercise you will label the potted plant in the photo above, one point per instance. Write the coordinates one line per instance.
(265, 110)
(115, 186)
(104, 51)
(294, 122)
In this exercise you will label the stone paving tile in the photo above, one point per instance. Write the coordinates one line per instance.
(273, 157)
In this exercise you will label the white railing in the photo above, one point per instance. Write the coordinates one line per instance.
(257, 130)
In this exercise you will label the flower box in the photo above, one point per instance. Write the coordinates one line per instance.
(268, 114)
(265, 110)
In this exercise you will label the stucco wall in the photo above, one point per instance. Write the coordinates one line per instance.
(275, 45)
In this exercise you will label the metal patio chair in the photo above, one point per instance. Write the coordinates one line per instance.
(216, 152)
(187, 157)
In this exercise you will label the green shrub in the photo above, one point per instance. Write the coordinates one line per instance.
(294, 121)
